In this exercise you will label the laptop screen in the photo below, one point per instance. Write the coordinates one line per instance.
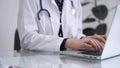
(112, 45)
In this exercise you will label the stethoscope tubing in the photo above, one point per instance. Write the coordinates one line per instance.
(49, 15)
(45, 10)
(42, 10)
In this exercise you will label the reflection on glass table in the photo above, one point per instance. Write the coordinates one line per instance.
(35, 59)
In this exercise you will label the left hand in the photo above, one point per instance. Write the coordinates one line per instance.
(100, 38)
(97, 40)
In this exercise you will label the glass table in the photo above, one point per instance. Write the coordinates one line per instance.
(36, 59)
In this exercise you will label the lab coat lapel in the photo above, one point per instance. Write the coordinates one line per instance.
(55, 5)
(55, 17)
(53, 2)
(65, 18)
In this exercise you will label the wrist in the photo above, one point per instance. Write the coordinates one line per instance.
(71, 43)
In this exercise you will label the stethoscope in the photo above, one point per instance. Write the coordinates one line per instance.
(49, 15)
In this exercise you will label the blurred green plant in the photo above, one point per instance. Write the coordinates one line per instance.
(100, 12)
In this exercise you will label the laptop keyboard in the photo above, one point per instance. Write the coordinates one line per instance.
(94, 53)
(90, 52)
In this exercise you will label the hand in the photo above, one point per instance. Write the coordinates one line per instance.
(82, 43)
(100, 38)
(97, 41)
(87, 42)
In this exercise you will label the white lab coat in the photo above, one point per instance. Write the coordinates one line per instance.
(32, 35)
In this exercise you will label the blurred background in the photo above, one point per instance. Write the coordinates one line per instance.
(8, 24)
(98, 15)
(97, 18)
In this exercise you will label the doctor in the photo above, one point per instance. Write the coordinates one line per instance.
(54, 25)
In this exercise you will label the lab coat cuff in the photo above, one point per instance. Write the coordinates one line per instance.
(62, 47)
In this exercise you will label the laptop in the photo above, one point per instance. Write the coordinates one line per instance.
(111, 47)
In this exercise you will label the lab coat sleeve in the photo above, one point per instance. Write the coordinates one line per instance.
(79, 20)
(28, 31)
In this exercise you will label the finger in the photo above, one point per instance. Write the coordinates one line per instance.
(104, 36)
(87, 45)
(96, 45)
(100, 38)
(89, 41)
(99, 46)
(83, 47)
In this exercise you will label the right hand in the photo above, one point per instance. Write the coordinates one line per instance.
(77, 44)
